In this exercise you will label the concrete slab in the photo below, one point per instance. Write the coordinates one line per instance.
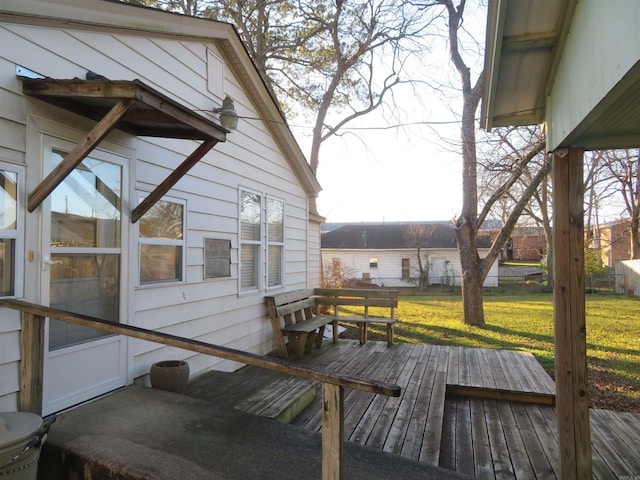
(141, 433)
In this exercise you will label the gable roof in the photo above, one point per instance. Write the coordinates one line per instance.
(130, 19)
(392, 236)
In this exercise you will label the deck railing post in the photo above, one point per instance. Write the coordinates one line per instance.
(332, 432)
(31, 363)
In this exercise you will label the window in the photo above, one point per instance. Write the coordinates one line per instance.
(250, 240)
(161, 237)
(405, 268)
(261, 241)
(373, 262)
(9, 233)
(275, 240)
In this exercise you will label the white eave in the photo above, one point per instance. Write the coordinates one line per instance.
(523, 46)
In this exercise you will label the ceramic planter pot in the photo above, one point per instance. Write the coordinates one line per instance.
(171, 375)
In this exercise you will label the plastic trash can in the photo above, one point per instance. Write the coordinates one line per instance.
(21, 436)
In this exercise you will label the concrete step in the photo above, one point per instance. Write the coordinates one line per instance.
(141, 433)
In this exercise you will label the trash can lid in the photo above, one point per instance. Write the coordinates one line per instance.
(17, 427)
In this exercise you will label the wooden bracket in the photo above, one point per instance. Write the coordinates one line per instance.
(172, 179)
(79, 152)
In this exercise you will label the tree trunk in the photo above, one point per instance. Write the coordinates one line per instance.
(473, 309)
(471, 276)
(635, 237)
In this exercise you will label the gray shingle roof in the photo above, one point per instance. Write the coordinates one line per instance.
(392, 236)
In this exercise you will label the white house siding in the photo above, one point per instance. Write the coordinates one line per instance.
(389, 270)
(578, 88)
(209, 310)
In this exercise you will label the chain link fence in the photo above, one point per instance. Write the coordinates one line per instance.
(527, 283)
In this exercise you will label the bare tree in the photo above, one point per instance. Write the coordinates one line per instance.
(498, 164)
(474, 268)
(336, 274)
(419, 235)
(624, 166)
(335, 58)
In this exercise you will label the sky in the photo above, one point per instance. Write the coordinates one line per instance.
(377, 173)
(388, 176)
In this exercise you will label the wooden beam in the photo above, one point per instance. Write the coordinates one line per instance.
(467, 391)
(79, 152)
(332, 432)
(186, 117)
(31, 363)
(172, 179)
(572, 404)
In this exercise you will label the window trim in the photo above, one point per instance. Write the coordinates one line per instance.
(166, 242)
(260, 243)
(262, 268)
(18, 234)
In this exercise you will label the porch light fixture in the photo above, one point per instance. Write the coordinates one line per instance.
(228, 114)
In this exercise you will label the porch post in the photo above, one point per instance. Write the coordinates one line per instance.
(572, 403)
(332, 432)
(31, 363)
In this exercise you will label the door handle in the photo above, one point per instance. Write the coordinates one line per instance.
(46, 261)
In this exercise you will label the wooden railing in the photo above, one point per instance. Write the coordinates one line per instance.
(333, 384)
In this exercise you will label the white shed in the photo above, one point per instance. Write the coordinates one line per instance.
(104, 105)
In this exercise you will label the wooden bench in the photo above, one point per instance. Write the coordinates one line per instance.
(293, 315)
(361, 297)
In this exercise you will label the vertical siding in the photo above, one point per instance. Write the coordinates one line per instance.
(209, 310)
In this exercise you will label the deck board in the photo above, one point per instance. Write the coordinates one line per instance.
(399, 429)
(431, 439)
(621, 458)
(482, 460)
(417, 422)
(487, 438)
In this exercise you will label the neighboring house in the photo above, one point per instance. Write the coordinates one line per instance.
(526, 243)
(614, 242)
(171, 222)
(386, 254)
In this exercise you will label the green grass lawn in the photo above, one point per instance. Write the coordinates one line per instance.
(525, 322)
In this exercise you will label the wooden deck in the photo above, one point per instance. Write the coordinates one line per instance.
(443, 417)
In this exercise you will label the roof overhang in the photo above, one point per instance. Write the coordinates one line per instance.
(523, 46)
(151, 113)
(130, 106)
(546, 62)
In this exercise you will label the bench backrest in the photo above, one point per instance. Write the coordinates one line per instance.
(290, 307)
(358, 297)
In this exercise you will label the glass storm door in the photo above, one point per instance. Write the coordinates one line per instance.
(82, 250)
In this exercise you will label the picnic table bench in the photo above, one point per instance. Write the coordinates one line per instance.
(294, 315)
